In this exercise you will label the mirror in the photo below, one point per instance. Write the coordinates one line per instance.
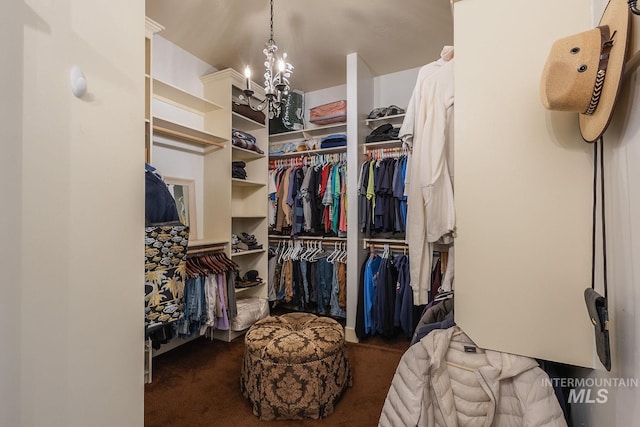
(183, 192)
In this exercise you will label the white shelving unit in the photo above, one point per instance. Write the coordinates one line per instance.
(241, 204)
(186, 134)
(394, 120)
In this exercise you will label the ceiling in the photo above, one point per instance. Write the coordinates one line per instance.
(316, 35)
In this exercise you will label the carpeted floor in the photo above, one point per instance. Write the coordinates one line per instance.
(198, 384)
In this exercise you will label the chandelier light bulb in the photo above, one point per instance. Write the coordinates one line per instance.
(247, 75)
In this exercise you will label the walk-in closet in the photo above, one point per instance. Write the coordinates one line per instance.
(336, 201)
(344, 213)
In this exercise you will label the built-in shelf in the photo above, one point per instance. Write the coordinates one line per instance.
(186, 134)
(249, 252)
(206, 245)
(248, 216)
(244, 154)
(246, 183)
(374, 123)
(243, 290)
(391, 143)
(245, 123)
(207, 242)
(308, 133)
(171, 94)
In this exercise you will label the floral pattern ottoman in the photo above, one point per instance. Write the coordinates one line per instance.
(295, 366)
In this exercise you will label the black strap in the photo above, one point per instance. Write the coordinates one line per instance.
(599, 142)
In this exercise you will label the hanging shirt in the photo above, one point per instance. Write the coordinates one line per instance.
(428, 185)
(273, 206)
(370, 279)
(343, 201)
(305, 194)
(337, 187)
(364, 213)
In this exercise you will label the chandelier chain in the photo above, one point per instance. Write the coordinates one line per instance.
(271, 23)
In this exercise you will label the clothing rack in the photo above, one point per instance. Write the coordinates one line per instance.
(308, 160)
(373, 246)
(399, 245)
(209, 261)
(298, 237)
(383, 241)
(387, 153)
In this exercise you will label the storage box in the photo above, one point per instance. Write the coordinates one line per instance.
(334, 112)
(245, 110)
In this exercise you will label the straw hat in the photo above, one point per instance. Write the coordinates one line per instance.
(583, 72)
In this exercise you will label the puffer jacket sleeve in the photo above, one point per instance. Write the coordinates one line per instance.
(541, 407)
(404, 403)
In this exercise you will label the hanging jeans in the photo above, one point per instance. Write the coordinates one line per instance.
(195, 304)
(325, 281)
(305, 281)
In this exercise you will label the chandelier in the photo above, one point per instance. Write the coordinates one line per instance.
(276, 78)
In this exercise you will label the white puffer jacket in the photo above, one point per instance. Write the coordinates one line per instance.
(445, 380)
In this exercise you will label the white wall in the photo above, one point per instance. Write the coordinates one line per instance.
(172, 64)
(395, 88)
(73, 274)
(622, 177)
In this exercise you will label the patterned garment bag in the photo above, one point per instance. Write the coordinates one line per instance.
(165, 273)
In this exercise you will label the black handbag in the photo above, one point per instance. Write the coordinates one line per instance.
(597, 305)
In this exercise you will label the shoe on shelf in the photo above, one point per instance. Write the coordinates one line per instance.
(249, 239)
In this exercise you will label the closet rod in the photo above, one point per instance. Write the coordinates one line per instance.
(383, 241)
(337, 239)
(404, 246)
(372, 246)
(200, 251)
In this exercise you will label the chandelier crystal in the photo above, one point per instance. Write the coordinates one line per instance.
(276, 77)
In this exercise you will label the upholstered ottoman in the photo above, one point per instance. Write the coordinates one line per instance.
(295, 366)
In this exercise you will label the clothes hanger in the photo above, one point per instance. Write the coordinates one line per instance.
(318, 249)
(343, 259)
(386, 251)
(297, 250)
(330, 257)
(443, 296)
(311, 250)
